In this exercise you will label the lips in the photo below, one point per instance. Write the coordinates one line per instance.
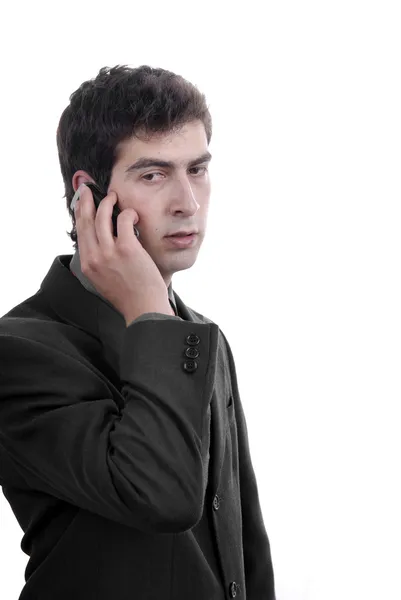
(182, 234)
(182, 241)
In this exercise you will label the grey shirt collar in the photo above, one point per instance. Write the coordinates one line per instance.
(75, 268)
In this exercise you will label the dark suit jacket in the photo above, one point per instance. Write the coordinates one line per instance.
(124, 453)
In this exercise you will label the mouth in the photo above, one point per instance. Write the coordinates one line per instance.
(183, 233)
(182, 241)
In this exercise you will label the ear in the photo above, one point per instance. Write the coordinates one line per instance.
(80, 177)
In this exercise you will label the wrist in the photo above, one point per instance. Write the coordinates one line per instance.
(164, 310)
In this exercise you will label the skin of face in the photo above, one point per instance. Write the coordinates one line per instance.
(166, 198)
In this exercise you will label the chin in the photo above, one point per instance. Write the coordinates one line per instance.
(174, 259)
(177, 263)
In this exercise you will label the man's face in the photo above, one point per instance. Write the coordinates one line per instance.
(166, 198)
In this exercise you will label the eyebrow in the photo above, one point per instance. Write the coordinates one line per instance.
(145, 162)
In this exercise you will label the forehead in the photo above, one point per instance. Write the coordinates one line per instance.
(186, 143)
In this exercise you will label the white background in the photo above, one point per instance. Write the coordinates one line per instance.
(300, 266)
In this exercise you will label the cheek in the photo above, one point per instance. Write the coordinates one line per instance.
(204, 207)
(205, 197)
(151, 225)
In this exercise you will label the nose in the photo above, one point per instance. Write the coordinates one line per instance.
(183, 198)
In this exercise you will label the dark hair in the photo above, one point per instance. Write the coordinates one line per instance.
(121, 102)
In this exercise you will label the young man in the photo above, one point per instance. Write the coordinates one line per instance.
(123, 444)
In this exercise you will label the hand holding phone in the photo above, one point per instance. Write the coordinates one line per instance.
(98, 196)
(118, 266)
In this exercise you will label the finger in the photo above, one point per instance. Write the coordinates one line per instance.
(85, 225)
(103, 222)
(125, 225)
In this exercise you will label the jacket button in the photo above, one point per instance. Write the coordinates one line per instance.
(234, 589)
(190, 366)
(216, 502)
(192, 339)
(192, 352)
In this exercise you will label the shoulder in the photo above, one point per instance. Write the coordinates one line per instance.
(26, 326)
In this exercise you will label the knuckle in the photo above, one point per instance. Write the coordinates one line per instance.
(84, 267)
(124, 248)
(108, 255)
(90, 264)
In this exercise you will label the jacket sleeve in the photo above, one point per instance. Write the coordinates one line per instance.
(142, 464)
(259, 576)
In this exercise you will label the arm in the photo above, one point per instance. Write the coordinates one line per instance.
(140, 466)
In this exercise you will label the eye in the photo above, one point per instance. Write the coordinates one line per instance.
(204, 169)
(150, 175)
